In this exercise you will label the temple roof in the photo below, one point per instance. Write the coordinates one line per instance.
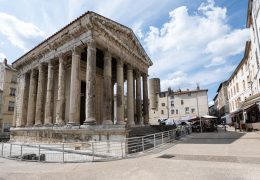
(90, 18)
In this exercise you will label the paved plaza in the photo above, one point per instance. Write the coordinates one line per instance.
(222, 155)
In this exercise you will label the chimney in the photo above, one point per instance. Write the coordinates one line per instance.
(198, 87)
(5, 61)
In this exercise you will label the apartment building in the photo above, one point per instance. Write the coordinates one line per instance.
(7, 96)
(177, 105)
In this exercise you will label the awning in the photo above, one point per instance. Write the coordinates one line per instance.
(232, 114)
(251, 101)
(209, 117)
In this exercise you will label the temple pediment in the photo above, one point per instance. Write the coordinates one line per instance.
(79, 31)
(122, 33)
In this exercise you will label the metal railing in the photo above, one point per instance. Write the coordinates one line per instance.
(90, 151)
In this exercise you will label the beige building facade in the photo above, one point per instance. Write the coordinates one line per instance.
(69, 80)
(177, 105)
(7, 96)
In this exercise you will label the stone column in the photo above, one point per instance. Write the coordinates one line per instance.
(130, 96)
(74, 116)
(40, 97)
(145, 100)
(60, 106)
(138, 99)
(49, 97)
(113, 102)
(91, 84)
(134, 99)
(32, 99)
(107, 86)
(23, 103)
(120, 92)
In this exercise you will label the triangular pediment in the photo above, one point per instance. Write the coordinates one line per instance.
(123, 33)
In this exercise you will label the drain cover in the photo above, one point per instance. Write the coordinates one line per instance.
(166, 156)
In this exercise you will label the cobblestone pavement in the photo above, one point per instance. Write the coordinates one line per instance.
(222, 155)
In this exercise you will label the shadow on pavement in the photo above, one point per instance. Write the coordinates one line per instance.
(220, 137)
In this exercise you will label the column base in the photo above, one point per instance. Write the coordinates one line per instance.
(130, 124)
(59, 124)
(72, 125)
(89, 123)
(38, 125)
(107, 122)
(21, 126)
(48, 125)
(121, 122)
(29, 125)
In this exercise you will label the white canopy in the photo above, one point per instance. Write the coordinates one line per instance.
(210, 117)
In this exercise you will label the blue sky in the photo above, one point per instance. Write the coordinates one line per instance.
(189, 41)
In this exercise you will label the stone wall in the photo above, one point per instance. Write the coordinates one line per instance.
(67, 135)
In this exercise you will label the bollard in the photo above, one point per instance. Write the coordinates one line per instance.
(143, 143)
(63, 153)
(122, 150)
(21, 152)
(10, 150)
(154, 140)
(93, 157)
(2, 149)
(39, 153)
(162, 137)
(169, 136)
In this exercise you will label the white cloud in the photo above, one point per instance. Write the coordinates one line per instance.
(2, 56)
(21, 34)
(192, 48)
(137, 29)
(204, 78)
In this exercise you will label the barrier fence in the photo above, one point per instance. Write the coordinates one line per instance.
(90, 151)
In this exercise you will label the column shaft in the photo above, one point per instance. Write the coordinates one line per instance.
(49, 97)
(60, 107)
(23, 94)
(32, 99)
(138, 99)
(130, 97)
(40, 97)
(107, 86)
(74, 117)
(91, 84)
(145, 100)
(120, 92)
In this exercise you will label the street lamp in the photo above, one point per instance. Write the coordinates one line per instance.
(198, 112)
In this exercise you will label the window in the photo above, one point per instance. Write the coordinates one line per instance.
(172, 111)
(244, 85)
(177, 112)
(171, 97)
(182, 102)
(11, 106)
(12, 91)
(163, 104)
(14, 79)
(172, 103)
(187, 110)
(192, 110)
(7, 126)
(234, 90)
(162, 112)
(162, 94)
(237, 88)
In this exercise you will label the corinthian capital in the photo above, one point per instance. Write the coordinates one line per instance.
(91, 44)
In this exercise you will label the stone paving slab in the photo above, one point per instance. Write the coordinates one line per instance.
(198, 161)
